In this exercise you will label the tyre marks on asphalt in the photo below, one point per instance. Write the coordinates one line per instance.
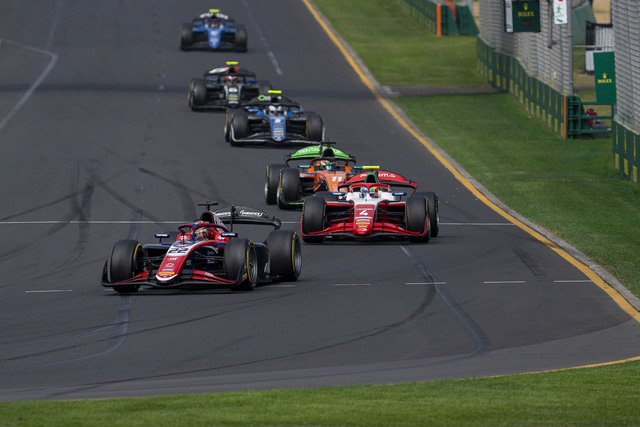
(482, 344)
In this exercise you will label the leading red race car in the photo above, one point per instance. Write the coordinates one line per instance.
(206, 253)
(371, 208)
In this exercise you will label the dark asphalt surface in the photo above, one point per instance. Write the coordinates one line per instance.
(106, 141)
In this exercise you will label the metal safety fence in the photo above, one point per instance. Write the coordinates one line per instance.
(626, 141)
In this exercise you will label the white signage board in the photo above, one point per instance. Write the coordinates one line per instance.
(560, 13)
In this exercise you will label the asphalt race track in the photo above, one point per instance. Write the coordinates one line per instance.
(98, 145)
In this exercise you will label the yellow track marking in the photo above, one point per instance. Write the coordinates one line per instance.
(613, 294)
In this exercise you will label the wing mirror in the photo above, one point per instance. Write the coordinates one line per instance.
(229, 234)
(399, 193)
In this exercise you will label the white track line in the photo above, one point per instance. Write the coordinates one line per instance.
(88, 222)
(503, 282)
(426, 283)
(352, 284)
(53, 58)
(48, 291)
(479, 224)
(263, 39)
(573, 281)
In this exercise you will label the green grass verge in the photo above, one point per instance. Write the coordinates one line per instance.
(604, 396)
(398, 49)
(568, 187)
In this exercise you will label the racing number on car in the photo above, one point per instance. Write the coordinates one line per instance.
(178, 251)
(337, 178)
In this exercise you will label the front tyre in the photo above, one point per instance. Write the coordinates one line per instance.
(313, 218)
(416, 217)
(285, 254)
(125, 263)
(241, 264)
(241, 38)
(186, 35)
(271, 183)
(197, 94)
(239, 127)
(434, 216)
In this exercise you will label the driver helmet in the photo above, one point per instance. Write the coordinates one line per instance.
(272, 109)
(374, 192)
(230, 79)
(280, 110)
(326, 165)
(201, 233)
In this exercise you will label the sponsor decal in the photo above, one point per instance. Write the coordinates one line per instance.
(605, 79)
(251, 213)
(169, 265)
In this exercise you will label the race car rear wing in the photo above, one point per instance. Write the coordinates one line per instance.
(383, 177)
(245, 215)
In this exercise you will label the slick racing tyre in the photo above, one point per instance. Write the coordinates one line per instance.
(228, 117)
(241, 38)
(124, 263)
(239, 127)
(271, 183)
(197, 94)
(288, 188)
(313, 218)
(315, 127)
(416, 216)
(185, 36)
(285, 254)
(434, 217)
(241, 264)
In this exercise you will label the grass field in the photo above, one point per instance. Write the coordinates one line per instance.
(603, 396)
(568, 187)
(398, 49)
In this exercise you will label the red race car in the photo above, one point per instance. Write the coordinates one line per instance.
(206, 253)
(371, 208)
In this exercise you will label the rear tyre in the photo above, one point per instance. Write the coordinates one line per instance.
(124, 263)
(197, 94)
(327, 195)
(241, 264)
(417, 215)
(186, 35)
(313, 218)
(315, 127)
(285, 254)
(240, 127)
(434, 216)
(288, 188)
(241, 38)
(271, 183)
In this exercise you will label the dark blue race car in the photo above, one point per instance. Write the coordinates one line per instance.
(273, 119)
(213, 31)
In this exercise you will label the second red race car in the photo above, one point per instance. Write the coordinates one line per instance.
(207, 253)
(372, 208)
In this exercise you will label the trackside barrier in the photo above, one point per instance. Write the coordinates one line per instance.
(563, 114)
(626, 151)
(583, 121)
(447, 19)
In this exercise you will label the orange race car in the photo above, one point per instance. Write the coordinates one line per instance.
(323, 170)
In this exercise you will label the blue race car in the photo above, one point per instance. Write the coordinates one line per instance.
(213, 31)
(273, 119)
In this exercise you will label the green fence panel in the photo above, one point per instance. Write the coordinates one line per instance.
(466, 24)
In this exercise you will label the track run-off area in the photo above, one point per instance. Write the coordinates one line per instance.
(98, 145)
